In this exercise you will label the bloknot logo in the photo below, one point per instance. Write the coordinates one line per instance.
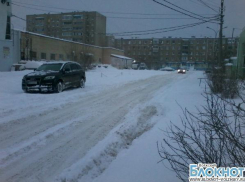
(210, 172)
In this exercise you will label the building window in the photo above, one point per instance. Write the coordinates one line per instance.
(67, 29)
(40, 24)
(33, 55)
(78, 23)
(8, 28)
(61, 57)
(67, 17)
(52, 56)
(67, 34)
(75, 33)
(67, 23)
(43, 55)
(78, 17)
(39, 18)
(77, 28)
(68, 57)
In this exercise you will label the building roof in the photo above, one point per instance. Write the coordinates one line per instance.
(55, 38)
(121, 57)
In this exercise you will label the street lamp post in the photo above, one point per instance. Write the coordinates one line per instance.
(215, 35)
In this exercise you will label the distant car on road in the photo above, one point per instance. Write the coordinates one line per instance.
(183, 71)
(167, 69)
(54, 77)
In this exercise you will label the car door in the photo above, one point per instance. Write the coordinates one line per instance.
(67, 75)
(75, 74)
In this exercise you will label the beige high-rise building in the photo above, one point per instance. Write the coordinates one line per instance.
(85, 27)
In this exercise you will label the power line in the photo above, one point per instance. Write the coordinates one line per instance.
(34, 8)
(211, 18)
(184, 9)
(150, 14)
(19, 17)
(132, 18)
(152, 30)
(205, 4)
(164, 30)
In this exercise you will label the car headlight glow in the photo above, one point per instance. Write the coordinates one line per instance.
(49, 77)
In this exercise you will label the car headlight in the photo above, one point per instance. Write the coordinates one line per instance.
(178, 70)
(49, 77)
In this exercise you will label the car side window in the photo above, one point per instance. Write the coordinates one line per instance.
(74, 67)
(67, 67)
(79, 67)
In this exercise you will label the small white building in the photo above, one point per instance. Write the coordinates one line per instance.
(121, 62)
(9, 39)
(5, 16)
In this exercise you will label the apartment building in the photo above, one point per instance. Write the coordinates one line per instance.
(85, 27)
(176, 52)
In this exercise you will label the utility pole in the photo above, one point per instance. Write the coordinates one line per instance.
(221, 33)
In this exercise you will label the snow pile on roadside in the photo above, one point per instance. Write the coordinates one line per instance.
(136, 122)
(108, 161)
(141, 161)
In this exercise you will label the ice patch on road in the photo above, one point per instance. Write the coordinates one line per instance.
(137, 122)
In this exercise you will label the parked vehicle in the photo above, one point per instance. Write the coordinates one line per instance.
(135, 66)
(142, 66)
(54, 77)
(181, 70)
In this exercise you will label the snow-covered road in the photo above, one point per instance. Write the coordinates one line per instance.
(39, 147)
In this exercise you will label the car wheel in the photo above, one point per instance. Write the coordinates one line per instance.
(26, 90)
(59, 87)
(82, 83)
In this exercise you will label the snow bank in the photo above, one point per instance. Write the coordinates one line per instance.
(140, 162)
(129, 153)
(137, 122)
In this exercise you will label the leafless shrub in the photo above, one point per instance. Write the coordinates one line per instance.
(216, 134)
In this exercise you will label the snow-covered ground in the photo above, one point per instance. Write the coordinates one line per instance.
(105, 132)
(16, 104)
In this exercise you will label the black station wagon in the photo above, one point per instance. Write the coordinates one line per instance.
(54, 77)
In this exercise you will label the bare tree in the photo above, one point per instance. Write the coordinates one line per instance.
(216, 134)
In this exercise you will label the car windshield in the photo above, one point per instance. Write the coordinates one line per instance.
(50, 67)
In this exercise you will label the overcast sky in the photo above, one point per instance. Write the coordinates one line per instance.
(121, 15)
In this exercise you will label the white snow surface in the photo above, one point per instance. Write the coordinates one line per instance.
(106, 132)
(17, 104)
